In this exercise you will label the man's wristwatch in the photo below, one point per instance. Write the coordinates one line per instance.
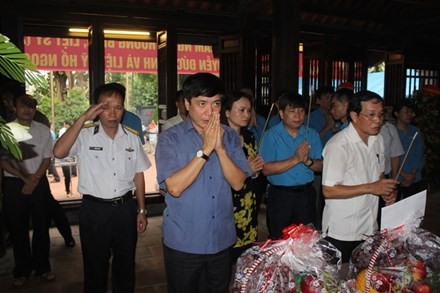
(311, 163)
(200, 154)
(142, 211)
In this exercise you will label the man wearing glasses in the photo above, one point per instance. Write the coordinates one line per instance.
(353, 175)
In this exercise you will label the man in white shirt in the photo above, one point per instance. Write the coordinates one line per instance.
(393, 149)
(66, 126)
(111, 161)
(181, 112)
(353, 176)
(26, 191)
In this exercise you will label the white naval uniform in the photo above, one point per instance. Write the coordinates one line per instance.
(107, 166)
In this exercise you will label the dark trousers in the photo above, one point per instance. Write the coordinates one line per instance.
(260, 187)
(105, 231)
(414, 188)
(67, 177)
(289, 207)
(59, 218)
(53, 170)
(18, 209)
(320, 200)
(345, 247)
(197, 273)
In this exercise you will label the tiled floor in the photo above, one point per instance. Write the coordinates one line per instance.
(67, 262)
(67, 265)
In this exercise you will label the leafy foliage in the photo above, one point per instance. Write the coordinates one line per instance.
(428, 120)
(15, 65)
(70, 109)
(7, 140)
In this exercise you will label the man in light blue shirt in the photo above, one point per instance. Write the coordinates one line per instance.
(320, 119)
(411, 176)
(292, 154)
(134, 123)
(198, 162)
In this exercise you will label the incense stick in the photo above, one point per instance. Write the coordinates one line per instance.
(308, 117)
(265, 126)
(406, 155)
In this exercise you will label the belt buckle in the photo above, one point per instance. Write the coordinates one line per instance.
(118, 201)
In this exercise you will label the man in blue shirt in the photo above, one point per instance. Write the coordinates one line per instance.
(411, 176)
(291, 156)
(198, 162)
(320, 119)
(134, 123)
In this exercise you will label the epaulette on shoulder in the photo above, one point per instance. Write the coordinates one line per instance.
(134, 131)
(89, 124)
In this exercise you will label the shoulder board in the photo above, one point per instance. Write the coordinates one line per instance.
(89, 124)
(134, 131)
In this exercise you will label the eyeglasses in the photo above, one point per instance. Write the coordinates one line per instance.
(372, 116)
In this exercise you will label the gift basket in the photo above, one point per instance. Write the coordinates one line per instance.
(301, 262)
(405, 259)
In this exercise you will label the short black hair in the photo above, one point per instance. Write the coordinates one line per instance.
(324, 90)
(27, 100)
(343, 95)
(178, 96)
(294, 100)
(202, 84)
(109, 89)
(230, 99)
(403, 103)
(355, 105)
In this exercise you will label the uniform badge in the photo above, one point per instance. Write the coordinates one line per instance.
(95, 148)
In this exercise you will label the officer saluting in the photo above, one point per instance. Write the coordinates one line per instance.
(111, 162)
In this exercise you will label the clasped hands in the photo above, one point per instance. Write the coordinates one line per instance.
(302, 152)
(30, 182)
(212, 135)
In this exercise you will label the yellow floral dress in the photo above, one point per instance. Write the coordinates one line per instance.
(245, 204)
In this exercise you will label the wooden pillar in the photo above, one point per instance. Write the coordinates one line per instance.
(96, 57)
(248, 53)
(394, 77)
(285, 42)
(167, 72)
(231, 67)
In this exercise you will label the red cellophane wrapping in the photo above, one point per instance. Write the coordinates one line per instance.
(405, 259)
(301, 262)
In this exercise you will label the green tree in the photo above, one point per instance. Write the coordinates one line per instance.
(71, 108)
(142, 89)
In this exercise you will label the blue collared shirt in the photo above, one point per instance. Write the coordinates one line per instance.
(415, 158)
(318, 121)
(278, 145)
(134, 122)
(258, 129)
(200, 220)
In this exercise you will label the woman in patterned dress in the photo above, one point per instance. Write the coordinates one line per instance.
(236, 113)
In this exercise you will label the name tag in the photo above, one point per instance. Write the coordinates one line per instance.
(95, 148)
(129, 150)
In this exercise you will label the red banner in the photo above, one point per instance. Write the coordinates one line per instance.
(66, 54)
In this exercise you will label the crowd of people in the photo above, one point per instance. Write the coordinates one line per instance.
(216, 160)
